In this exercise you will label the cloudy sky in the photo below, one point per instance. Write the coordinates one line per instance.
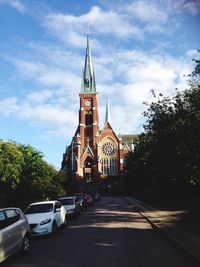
(137, 46)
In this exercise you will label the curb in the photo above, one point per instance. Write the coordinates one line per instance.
(184, 239)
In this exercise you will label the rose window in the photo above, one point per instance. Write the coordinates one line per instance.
(108, 149)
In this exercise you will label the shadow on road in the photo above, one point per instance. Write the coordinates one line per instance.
(111, 234)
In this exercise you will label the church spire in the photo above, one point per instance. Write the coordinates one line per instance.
(88, 80)
(107, 118)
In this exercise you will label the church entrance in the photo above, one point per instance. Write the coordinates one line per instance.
(88, 165)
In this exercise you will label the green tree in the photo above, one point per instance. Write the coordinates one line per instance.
(169, 149)
(25, 176)
(11, 159)
(36, 174)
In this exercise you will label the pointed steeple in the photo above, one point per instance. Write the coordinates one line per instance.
(107, 118)
(88, 84)
(119, 135)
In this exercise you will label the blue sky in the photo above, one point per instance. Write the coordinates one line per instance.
(137, 45)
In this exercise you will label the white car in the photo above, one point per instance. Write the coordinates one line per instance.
(14, 232)
(45, 217)
(71, 205)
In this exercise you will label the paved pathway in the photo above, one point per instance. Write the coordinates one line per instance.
(111, 234)
(173, 225)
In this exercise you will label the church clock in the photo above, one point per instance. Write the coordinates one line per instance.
(88, 103)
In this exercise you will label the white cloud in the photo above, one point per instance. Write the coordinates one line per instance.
(28, 68)
(52, 118)
(40, 96)
(8, 106)
(174, 7)
(110, 22)
(62, 132)
(140, 72)
(160, 16)
(56, 56)
(126, 119)
(47, 75)
(191, 53)
(70, 28)
(153, 27)
(127, 85)
(47, 114)
(148, 11)
(17, 4)
(161, 71)
(125, 76)
(193, 7)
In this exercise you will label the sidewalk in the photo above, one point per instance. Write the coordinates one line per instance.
(168, 222)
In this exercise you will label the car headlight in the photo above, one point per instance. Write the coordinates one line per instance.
(45, 221)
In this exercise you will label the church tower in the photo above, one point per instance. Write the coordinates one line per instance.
(93, 153)
(88, 120)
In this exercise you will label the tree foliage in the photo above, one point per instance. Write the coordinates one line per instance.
(11, 160)
(169, 148)
(26, 176)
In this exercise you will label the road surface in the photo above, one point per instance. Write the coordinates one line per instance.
(110, 234)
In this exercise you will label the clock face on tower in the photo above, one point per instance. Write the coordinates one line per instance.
(88, 103)
(108, 149)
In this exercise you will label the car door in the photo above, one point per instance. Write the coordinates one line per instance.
(57, 213)
(4, 236)
(15, 229)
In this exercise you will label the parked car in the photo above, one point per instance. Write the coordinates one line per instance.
(89, 199)
(45, 217)
(72, 205)
(14, 232)
(82, 201)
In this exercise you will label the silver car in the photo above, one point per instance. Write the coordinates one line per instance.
(71, 205)
(14, 232)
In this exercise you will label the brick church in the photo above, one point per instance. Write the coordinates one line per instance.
(95, 153)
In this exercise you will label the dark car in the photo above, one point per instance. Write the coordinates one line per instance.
(88, 198)
(82, 201)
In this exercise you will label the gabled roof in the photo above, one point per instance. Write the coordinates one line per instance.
(108, 126)
(129, 139)
(126, 149)
(90, 150)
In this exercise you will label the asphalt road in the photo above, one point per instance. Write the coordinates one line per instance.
(110, 234)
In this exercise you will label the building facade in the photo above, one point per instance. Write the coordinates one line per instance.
(95, 153)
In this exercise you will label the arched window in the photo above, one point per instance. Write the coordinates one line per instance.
(109, 157)
(88, 162)
(88, 118)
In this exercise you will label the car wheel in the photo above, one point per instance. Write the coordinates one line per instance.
(54, 228)
(25, 244)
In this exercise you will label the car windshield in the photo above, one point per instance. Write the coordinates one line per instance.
(39, 208)
(67, 201)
